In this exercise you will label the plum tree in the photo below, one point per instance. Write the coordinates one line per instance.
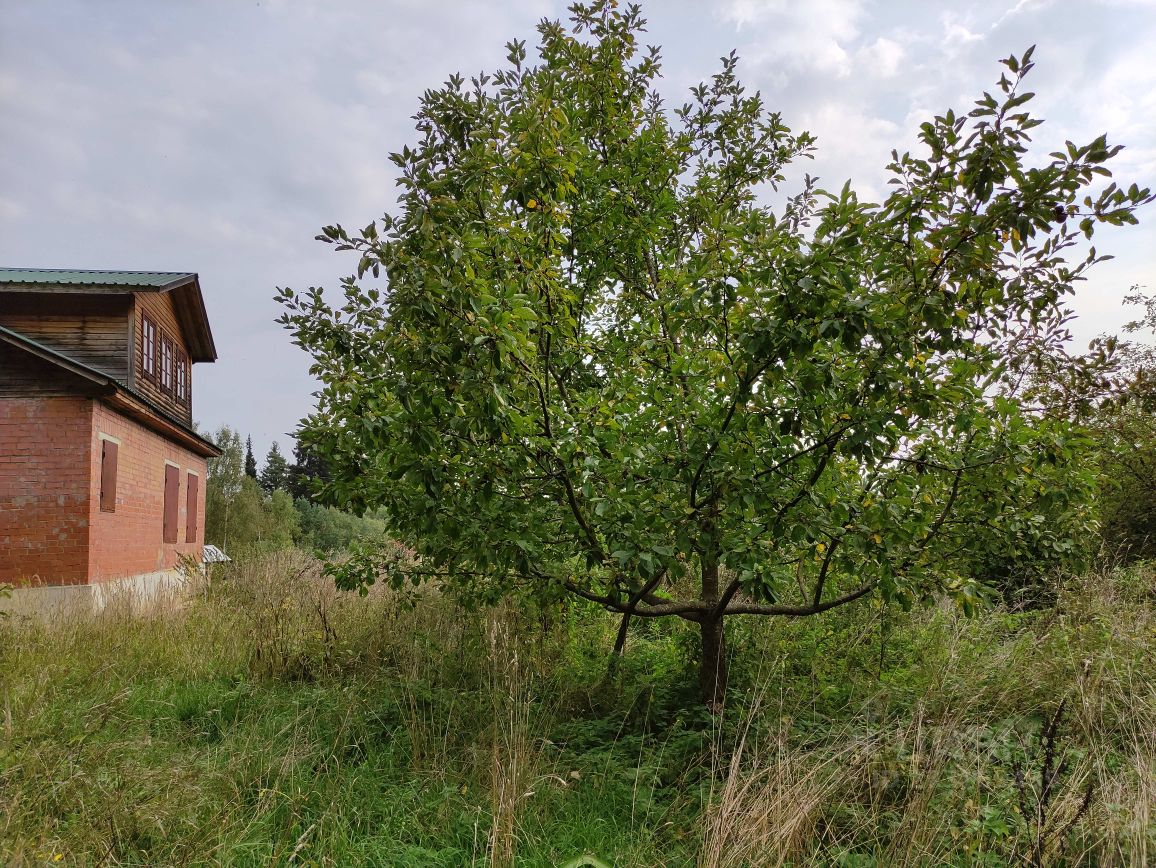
(587, 356)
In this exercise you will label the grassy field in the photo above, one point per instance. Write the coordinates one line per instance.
(274, 721)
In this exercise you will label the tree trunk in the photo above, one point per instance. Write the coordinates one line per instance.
(712, 677)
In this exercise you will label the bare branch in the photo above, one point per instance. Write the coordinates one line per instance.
(690, 610)
(799, 611)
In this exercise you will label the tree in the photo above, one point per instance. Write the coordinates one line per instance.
(307, 472)
(238, 517)
(275, 474)
(256, 523)
(1112, 392)
(1126, 427)
(250, 461)
(330, 531)
(223, 483)
(602, 365)
(282, 521)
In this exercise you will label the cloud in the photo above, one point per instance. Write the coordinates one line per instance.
(219, 136)
(803, 36)
(1021, 6)
(881, 58)
(956, 33)
(10, 209)
(852, 144)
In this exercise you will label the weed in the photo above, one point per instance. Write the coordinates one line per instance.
(1047, 828)
(277, 720)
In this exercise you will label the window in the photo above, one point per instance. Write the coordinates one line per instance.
(192, 490)
(148, 348)
(162, 361)
(108, 450)
(182, 377)
(172, 491)
(166, 363)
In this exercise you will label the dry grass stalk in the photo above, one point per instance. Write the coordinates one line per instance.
(772, 798)
(515, 751)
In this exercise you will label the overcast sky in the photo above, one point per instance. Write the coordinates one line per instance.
(218, 137)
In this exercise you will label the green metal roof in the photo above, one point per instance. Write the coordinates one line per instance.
(184, 286)
(65, 276)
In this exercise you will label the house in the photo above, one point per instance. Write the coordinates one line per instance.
(102, 475)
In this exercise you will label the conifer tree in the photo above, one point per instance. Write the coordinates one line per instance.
(250, 461)
(275, 475)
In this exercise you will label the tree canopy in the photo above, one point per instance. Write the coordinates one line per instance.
(239, 516)
(275, 474)
(598, 349)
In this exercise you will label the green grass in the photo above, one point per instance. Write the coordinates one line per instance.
(274, 721)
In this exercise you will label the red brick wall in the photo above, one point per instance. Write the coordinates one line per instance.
(129, 541)
(45, 446)
(52, 531)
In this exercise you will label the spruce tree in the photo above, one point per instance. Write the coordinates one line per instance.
(275, 475)
(250, 461)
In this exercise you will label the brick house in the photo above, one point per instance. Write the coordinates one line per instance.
(102, 476)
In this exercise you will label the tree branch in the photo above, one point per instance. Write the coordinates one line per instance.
(799, 611)
(635, 598)
(817, 599)
(690, 611)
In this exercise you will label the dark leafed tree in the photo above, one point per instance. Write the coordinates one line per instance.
(1124, 421)
(275, 474)
(250, 461)
(307, 473)
(585, 356)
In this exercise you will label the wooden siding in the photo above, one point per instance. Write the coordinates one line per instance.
(159, 308)
(92, 330)
(75, 289)
(24, 375)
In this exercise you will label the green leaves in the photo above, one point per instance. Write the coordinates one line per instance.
(584, 861)
(587, 341)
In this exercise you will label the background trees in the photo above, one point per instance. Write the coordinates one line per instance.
(248, 516)
(239, 516)
(223, 484)
(275, 474)
(1125, 424)
(602, 365)
(250, 459)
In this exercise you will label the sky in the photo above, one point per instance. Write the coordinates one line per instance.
(219, 136)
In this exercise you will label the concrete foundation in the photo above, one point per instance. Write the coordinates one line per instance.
(132, 593)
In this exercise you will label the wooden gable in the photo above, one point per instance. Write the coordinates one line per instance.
(92, 329)
(166, 379)
(144, 330)
(23, 375)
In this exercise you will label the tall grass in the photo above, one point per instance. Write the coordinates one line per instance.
(937, 764)
(275, 720)
(515, 746)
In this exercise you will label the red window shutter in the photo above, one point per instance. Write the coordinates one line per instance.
(193, 490)
(108, 476)
(172, 488)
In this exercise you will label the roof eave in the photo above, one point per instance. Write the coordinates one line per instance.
(194, 318)
(118, 395)
(136, 407)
